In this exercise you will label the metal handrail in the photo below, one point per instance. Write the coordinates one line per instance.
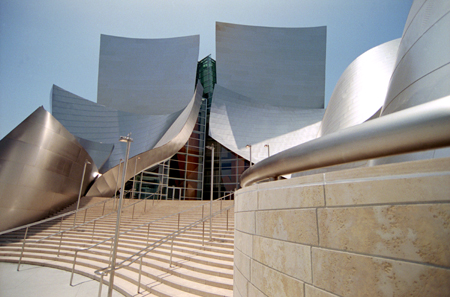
(418, 128)
(143, 252)
(61, 232)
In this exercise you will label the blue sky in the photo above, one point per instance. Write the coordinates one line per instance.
(50, 42)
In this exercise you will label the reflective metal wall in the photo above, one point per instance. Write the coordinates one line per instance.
(422, 70)
(236, 121)
(170, 143)
(105, 125)
(361, 89)
(147, 76)
(277, 66)
(41, 167)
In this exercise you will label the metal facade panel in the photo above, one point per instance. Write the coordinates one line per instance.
(278, 66)
(100, 124)
(423, 62)
(147, 76)
(43, 164)
(170, 143)
(236, 121)
(361, 89)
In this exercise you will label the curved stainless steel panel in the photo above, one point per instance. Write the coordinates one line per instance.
(41, 167)
(278, 66)
(147, 76)
(418, 128)
(361, 89)
(95, 122)
(171, 142)
(422, 71)
(236, 121)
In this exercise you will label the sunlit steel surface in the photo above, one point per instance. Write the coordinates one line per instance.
(361, 89)
(147, 76)
(422, 70)
(104, 125)
(169, 144)
(41, 167)
(418, 128)
(278, 66)
(236, 120)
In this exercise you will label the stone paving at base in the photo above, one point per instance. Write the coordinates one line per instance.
(40, 281)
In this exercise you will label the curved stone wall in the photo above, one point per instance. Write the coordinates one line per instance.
(374, 231)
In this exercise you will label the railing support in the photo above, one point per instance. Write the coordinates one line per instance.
(23, 248)
(60, 242)
(227, 219)
(178, 221)
(73, 266)
(140, 273)
(101, 285)
(85, 212)
(171, 251)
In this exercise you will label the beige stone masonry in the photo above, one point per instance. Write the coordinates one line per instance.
(296, 225)
(351, 275)
(274, 283)
(374, 231)
(410, 232)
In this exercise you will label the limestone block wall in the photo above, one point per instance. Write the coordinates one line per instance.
(376, 231)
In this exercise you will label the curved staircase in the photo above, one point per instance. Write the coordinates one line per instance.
(198, 266)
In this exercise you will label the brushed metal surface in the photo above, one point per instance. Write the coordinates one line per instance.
(170, 143)
(236, 120)
(102, 126)
(361, 89)
(147, 76)
(41, 166)
(278, 66)
(422, 69)
(418, 128)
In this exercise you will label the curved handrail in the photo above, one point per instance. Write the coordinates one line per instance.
(143, 252)
(418, 128)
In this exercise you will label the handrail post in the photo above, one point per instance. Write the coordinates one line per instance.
(145, 205)
(140, 273)
(178, 221)
(85, 212)
(23, 248)
(104, 204)
(203, 235)
(93, 230)
(132, 216)
(73, 266)
(101, 284)
(227, 219)
(171, 251)
(60, 241)
(148, 232)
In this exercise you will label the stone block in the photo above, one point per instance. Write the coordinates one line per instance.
(290, 258)
(273, 283)
(297, 225)
(389, 190)
(240, 283)
(413, 232)
(254, 292)
(311, 291)
(348, 274)
(292, 197)
(242, 262)
(245, 222)
(244, 242)
(246, 201)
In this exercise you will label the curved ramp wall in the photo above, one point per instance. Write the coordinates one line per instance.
(374, 231)
(41, 167)
(170, 143)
